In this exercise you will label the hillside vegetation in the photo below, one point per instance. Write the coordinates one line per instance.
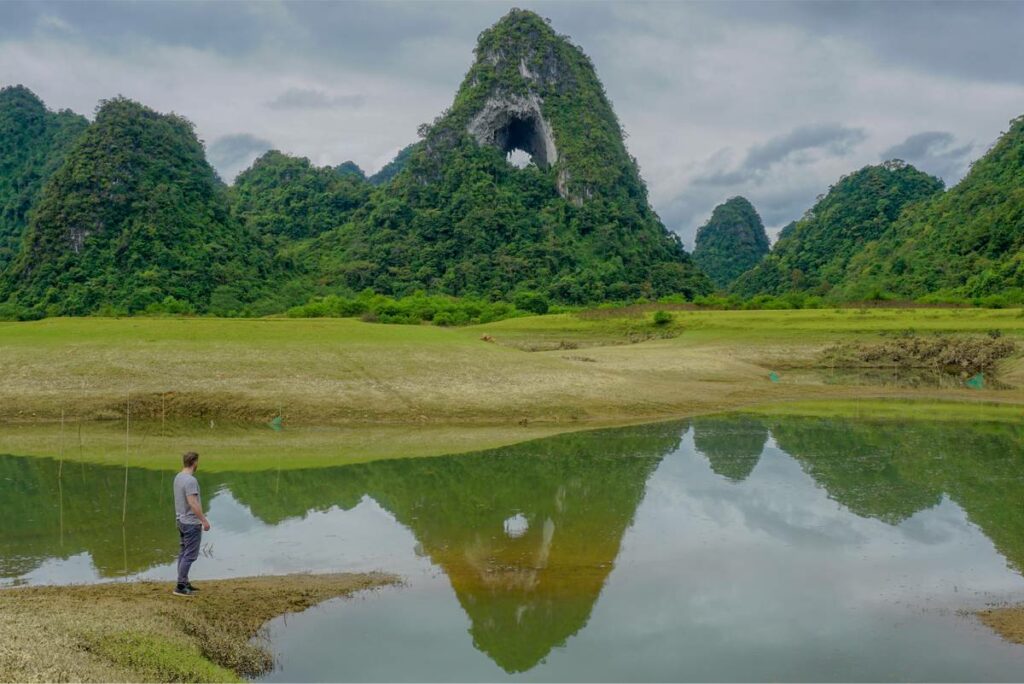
(813, 255)
(125, 216)
(967, 242)
(134, 216)
(731, 242)
(33, 144)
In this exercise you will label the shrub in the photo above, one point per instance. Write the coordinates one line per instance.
(662, 318)
(534, 302)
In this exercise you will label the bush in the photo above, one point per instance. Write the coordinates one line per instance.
(662, 318)
(534, 302)
(14, 312)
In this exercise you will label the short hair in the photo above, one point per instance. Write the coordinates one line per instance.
(190, 459)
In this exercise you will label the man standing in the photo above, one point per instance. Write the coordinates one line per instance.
(188, 510)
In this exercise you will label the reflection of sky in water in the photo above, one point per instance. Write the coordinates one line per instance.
(717, 579)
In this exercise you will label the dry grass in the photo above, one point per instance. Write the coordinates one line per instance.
(419, 390)
(1008, 622)
(141, 632)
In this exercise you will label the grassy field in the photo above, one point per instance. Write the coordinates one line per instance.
(354, 391)
(141, 632)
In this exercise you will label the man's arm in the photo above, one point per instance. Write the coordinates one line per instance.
(193, 503)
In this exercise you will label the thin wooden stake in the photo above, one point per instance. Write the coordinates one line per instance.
(60, 469)
(81, 460)
(127, 434)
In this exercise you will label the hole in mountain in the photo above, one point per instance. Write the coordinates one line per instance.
(522, 141)
(519, 159)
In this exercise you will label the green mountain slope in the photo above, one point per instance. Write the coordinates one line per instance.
(391, 169)
(459, 219)
(133, 216)
(33, 143)
(968, 241)
(812, 256)
(350, 168)
(731, 242)
(289, 198)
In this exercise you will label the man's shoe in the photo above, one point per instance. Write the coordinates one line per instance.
(191, 588)
(182, 590)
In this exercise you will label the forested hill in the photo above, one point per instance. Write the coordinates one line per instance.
(124, 214)
(967, 242)
(812, 255)
(457, 218)
(731, 242)
(133, 216)
(33, 142)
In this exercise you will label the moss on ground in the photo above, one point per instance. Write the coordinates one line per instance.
(140, 631)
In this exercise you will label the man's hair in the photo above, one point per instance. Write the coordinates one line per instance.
(190, 459)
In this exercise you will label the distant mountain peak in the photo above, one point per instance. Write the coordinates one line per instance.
(731, 242)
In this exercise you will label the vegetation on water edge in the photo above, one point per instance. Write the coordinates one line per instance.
(140, 631)
(1006, 621)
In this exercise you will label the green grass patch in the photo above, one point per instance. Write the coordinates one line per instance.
(895, 409)
(157, 658)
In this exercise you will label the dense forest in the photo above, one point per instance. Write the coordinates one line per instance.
(33, 143)
(967, 242)
(125, 215)
(812, 257)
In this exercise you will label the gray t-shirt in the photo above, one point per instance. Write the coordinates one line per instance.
(185, 484)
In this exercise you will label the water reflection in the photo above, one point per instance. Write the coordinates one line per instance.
(527, 537)
(732, 444)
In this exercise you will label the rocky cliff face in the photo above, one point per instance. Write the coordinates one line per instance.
(515, 122)
(533, 90)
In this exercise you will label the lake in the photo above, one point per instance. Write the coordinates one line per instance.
(724, 548)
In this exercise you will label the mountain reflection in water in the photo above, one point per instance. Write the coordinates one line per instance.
(526, 535)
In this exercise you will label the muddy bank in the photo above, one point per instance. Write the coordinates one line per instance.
(140, 631)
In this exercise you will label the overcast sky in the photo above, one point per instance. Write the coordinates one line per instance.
(773, 101)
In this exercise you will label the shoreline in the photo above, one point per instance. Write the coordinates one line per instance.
(140, 631)
(241, 447)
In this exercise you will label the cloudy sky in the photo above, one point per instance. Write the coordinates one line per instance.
(773, 101)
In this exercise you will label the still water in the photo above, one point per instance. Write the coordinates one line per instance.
(720, 549)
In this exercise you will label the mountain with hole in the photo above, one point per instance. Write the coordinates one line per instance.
(570, 220)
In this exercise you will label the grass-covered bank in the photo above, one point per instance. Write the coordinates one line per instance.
(419, 390)
(139, 631)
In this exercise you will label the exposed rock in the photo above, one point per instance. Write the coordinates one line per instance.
(516, 122)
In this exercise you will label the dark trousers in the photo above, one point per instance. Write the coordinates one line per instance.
(191, 536)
